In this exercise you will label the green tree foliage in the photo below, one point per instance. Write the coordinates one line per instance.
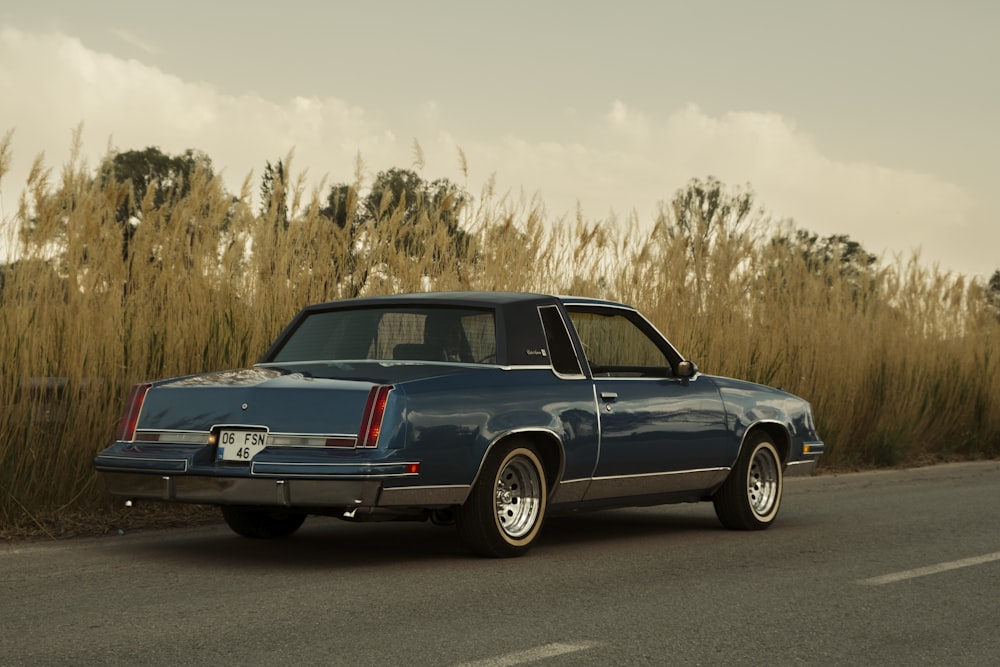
(831, 259)
(153, 179)
(705, 209)
(423, 218)
(341, 205)
(704, 214)
(151, 171)
(993, 291)
(273, 191)
(711, 228)
(406, 191)
(837, 249)
(402, 195)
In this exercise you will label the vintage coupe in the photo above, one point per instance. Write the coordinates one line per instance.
(487, 410)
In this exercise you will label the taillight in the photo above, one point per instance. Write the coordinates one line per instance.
(126, 429)
(371, 420)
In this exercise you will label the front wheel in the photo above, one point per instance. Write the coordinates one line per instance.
(750, 497)
(262, 523)
(506, 507)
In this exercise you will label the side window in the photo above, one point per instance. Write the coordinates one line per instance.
(616, 347)
(557, 339)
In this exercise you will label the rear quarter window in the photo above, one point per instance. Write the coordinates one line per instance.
(559, 343)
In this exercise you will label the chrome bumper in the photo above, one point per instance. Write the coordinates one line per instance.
(270, 492)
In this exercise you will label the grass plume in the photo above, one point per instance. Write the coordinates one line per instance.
(899, 361)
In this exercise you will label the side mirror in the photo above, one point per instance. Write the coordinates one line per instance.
(687, 369)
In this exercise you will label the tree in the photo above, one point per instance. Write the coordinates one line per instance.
(404, 210)
(273, 189)
(341, 205)
(403, 192)
(704, 209)
(395, 189)
(150, 172)
(822, 253)
(993, 291)
(712, 228)
(417, 209)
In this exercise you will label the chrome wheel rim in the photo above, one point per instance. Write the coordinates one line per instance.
(762, 482)
(518, 497)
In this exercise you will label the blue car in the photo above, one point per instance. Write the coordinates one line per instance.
(484, 410)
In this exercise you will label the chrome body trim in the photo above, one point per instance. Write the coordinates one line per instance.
(368, 492)
(801, 468)
(179, 437)
(306, 440)
(569, 491)
(623, 486)
(518, 431)
(340, 470)
(274, 438)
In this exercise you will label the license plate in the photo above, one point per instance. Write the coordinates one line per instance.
(240, 445)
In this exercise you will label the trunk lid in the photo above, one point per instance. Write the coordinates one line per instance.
(273, 398)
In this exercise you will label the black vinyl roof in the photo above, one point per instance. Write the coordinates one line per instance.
(482, 299)
(520, 335)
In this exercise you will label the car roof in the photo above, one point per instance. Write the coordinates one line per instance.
(467, 298)
(591, 301)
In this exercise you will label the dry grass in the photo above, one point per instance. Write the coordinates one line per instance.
(897, 359)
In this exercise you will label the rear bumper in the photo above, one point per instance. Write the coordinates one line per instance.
(328, 494)
(309, 478)
(244, 491)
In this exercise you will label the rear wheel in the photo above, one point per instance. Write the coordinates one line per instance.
(262, 523)
(750, 497)
(505, 510)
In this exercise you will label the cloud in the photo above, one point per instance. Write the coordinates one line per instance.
(51, 84)
(626, 160)
(134, 40)
(631, 161)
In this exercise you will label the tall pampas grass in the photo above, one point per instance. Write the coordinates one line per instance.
(898, 360)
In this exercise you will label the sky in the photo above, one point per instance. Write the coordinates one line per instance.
(876, 119)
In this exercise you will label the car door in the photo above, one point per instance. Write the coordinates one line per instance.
(659, 433)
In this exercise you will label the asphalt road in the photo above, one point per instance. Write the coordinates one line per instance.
(899, 567)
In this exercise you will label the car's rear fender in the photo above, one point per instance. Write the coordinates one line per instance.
(549, 446)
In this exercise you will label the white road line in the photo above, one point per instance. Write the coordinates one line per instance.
(930, 569)
(530, 655)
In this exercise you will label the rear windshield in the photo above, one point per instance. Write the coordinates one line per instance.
(400, 333)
